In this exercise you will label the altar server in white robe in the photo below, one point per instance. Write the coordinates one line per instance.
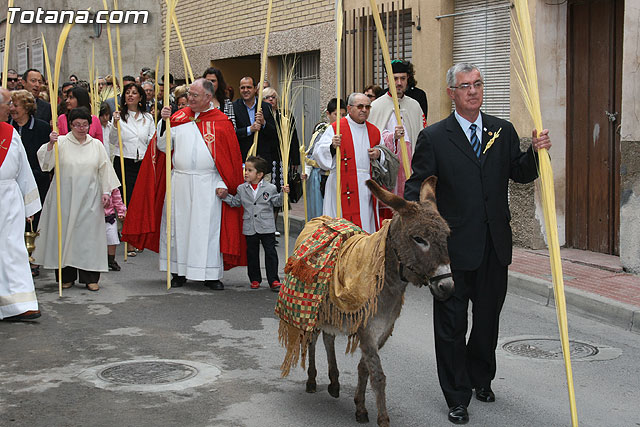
(87, 179)
(19, 199)
(358, 142)
(206, 160)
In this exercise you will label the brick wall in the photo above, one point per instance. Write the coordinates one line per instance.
(203, 22)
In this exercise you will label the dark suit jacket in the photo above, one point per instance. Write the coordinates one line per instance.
(472, 193)
(43, 110)
(420, 96)
(267, 138)
(34, 134)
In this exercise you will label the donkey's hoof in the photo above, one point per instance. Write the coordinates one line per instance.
(383, 421)
(311, 387)
(334, 390)
(362, 417)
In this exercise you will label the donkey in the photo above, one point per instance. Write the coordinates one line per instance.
(416, 252)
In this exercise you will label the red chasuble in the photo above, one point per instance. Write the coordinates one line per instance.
(144, 214)
(6, 134)
(350, 199)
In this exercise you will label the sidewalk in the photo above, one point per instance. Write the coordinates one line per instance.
(595, 284)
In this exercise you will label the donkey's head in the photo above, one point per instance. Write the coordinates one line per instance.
(418, 239)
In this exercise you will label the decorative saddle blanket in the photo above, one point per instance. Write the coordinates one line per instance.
(332, 257)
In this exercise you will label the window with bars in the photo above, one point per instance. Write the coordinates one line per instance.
(398, 31)
(305, 89)
(363, 63)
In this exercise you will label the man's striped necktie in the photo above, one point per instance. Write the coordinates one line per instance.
(474, 140)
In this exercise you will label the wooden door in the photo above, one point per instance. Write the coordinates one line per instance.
(594, 64)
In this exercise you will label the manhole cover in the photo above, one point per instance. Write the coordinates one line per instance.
(148, 372)
(546, 348)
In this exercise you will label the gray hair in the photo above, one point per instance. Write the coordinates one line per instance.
(206, 85)
(461, 67)
(148, 83)
(352, 97)
(5, 95)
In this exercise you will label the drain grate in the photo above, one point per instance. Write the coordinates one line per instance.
(549, 349)
(155, 372)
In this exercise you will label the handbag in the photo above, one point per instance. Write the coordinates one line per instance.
(295, 185)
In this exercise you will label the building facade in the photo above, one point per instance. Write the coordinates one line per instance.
(588, 70)
(141, 43)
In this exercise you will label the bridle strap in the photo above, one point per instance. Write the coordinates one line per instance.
(401, 268)
(435, 279)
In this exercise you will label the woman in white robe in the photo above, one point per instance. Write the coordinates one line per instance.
(19, 199)
(86, 181)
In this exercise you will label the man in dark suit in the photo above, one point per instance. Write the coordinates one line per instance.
(250, 119)
(32, 81)
(473, 155)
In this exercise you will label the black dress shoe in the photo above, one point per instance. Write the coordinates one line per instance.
(214, 285)
(178, 281)
(114, 266)
(485, 394)
(458, 414)
(27, 315)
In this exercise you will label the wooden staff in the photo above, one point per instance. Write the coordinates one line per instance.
(91, 103)
(188, 71)
(303, 160)
(155, 94)
(119, 52)
(93, 82)
(263, 67)
(170, 10)
(528, 80)
(7, 42)
(115, 101)
(339, 25)
(384, 47)
(53, 85)
(96, 97)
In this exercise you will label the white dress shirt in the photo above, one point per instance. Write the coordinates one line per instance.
(136, 133)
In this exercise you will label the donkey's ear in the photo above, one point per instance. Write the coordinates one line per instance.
(397, 203)
(428, 189)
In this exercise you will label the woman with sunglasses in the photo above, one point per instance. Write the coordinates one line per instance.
(86, 181)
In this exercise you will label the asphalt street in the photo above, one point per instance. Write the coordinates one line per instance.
(213, 358)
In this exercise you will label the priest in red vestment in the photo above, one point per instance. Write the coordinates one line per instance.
(206, 236)
(359, 143)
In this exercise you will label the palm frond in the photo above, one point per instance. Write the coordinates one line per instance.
(528, 79)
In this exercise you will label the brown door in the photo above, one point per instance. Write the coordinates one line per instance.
(594, 64)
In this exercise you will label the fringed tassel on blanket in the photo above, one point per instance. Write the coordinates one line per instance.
(296, 342)
(301, 270)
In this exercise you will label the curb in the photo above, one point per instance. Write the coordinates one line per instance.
(586, 304)
(578, 301)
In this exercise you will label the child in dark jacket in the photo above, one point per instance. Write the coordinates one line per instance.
(258, 198)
